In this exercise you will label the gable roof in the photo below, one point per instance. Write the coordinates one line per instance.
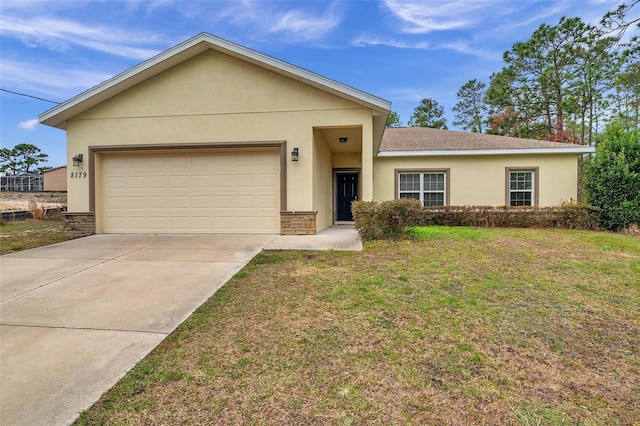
(58, 116)
(425, 141)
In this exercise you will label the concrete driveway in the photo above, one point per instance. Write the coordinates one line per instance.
(76, 316)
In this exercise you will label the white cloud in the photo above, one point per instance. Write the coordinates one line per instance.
(49, 81)
(310, 22)
(28, 124)
(304, 25)
(460, 46)
(466, 48)
(363, 41)
(425, 17)
(538, 16)
(60, 35)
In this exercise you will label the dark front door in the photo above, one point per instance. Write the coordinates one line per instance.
(347, 193)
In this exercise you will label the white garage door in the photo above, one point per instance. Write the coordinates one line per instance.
(196, 192)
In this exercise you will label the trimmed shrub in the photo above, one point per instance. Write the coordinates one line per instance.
(389, 219)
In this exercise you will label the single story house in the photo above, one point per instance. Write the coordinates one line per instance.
(212, 137)
(55, 179)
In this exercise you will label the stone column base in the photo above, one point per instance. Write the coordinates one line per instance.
(298, 223)
(79, 224)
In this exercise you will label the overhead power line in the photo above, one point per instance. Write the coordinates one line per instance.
(29, 96)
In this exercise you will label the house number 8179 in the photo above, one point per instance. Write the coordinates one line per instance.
(78, 175)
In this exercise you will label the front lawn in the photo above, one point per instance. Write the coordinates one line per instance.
(464, 326)
(26, 234)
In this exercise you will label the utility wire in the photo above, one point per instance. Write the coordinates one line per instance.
(29, 96)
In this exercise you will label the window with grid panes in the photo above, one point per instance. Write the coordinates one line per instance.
(428, 187)
(521, 188)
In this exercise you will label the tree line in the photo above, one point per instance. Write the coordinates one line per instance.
(22, 158)
(563, 84)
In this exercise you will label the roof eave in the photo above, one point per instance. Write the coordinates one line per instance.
(461, 152)
(58, 115)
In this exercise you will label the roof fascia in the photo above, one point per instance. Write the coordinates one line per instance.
(522, 151)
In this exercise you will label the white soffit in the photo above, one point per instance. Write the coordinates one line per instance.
(58, 115)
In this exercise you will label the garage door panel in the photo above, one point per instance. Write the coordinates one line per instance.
(179, 161)
(157, 222)
(209, 192)
(268, 180)
(157, 202)
(157, 181)
(200, 180)
(179, 181)
(245, 202)
(266, 201)
(201, 202)
(223, 181)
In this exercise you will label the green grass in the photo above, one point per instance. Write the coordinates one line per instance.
(456, 326)
(449, 232)
(31, 233)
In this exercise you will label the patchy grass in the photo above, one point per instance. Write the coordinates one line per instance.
(491, 326)
(31, 233)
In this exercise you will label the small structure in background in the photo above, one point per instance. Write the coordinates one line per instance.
(24, 182)
(55, 179)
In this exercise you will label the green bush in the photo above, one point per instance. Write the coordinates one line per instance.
(390, 219)
(577, 216)
(612, 177)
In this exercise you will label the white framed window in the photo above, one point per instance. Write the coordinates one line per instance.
(522, 186)
(430, 187)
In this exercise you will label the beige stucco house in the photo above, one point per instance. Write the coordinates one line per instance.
(212, 137)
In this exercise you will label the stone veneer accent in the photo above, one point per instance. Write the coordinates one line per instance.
(298, 223)
(79, 224)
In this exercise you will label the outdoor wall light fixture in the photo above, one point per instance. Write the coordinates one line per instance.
(77, 160)
(294, 154)
(343, 139)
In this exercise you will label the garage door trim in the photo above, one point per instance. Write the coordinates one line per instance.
(93, 150)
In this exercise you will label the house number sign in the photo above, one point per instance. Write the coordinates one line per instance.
(78, 175)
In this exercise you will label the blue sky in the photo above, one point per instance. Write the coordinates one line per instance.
(399, 50)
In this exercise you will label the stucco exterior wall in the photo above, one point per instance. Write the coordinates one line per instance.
(347, 161)
(215, 98)
(480, 180)
(322, 182)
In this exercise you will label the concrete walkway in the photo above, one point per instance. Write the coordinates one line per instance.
(76, 316)
(337, 237)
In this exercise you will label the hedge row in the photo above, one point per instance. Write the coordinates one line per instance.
(388, 219)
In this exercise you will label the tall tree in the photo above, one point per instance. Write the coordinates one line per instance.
(553, 78)
(428, 114)
(625, 99)
(393, 120)
(471, 110)
(616, 22)
(23, 158)
(598, 64)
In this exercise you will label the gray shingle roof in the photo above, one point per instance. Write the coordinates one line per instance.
(424, 139)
